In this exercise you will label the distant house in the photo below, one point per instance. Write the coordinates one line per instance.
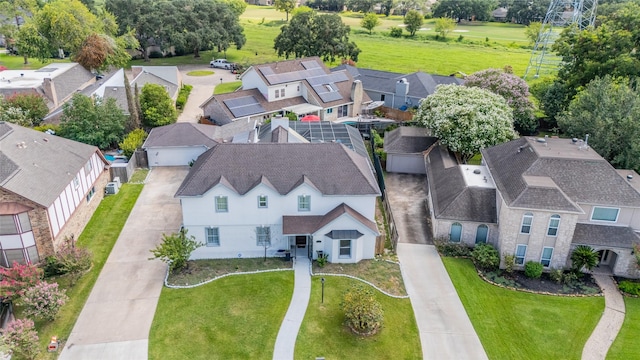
(538, 199)
(405, 148)
(500, 14)
(49, 188)
(399, 91)
(167, 76)
(301, 86)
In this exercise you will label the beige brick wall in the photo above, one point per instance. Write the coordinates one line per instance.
(442, 229)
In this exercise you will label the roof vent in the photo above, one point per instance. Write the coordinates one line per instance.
(629, 177)
(477, 171)
(574, 140)
(541, 140)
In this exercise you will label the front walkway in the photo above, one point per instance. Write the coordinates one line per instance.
(286, 340)
(445, 329)
(610, 323)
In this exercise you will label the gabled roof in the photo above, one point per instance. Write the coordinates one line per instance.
(604, 235)
(408, 140)
(38, 166)
(292, 225)
(451, 197)
(167, 73)
(331, 168)
(190, 134)
(149, 78)
(556, 174)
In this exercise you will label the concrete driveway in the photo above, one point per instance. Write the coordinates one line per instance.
(116, 319)
(407, 194)
(202, 89)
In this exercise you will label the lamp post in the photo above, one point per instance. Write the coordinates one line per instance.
(220, 80)
(322, 281)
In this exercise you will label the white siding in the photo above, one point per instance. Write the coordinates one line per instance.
(176, 156)
(251, 80)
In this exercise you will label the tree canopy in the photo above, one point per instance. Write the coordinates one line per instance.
(156, 106)
(310, 34)
(285, 6)
(466, 119)
(526, 12)
(370, 21)
(444, 26)
(513, 89)
(413, 21)
(608, 110)
(465, 9)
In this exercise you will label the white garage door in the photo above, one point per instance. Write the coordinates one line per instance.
(173, 156)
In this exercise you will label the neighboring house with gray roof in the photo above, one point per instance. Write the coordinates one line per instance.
(404, 147)
(242, 199)
(537, 199)
(168, 77)
(181, 143)
(398, 91)
(301, 86)
(49, 188)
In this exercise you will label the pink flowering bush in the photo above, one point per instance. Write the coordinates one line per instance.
(16, 279)
(44, 300)
(513, 89)
(21, 338)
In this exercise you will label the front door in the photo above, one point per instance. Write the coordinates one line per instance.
(301, 241)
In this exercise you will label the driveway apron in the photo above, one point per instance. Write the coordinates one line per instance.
(117, 317)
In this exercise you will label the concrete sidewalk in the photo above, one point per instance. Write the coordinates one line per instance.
(605, 333)
(445, 329)
(286, 340)
(202, 89)
(115, 321)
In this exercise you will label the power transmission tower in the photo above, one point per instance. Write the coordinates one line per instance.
(561, 13)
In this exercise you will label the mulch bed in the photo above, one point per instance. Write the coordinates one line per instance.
(544, 285)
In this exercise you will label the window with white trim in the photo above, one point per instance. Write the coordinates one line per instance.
(281, 92)
(304, 203)
(277, 93)
(263, 236)
(554, 223)
(212, 234)
(605, 214)
(8, 225)
(87, 167)
(330, 111)
(76, 182)
(262, 201)
(343, 111)
(222, 204)
(91, 193)
(521, 253)
(545, 259)
(527, 220)
(345, 249)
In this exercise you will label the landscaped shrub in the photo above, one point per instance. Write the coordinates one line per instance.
(486, 256)
(363, 313)
(21, 338)
(73, 260)
(630, 287)
(322, 260)
(447, 248)
(17, 279)
(395, 32)
(132, 142)
(176, 249)
(584, 257)
(570, 278)
(378, 141)
(556, 275)
(533, 269)
(183, 96)
(509, 263)
(44, 300)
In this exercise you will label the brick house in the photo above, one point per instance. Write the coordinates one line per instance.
(49, 189)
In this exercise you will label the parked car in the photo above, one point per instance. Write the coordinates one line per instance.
(221, 63)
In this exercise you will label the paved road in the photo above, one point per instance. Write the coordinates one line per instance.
(407, 194)
(202, 89)
(610, 323)
(115, 321)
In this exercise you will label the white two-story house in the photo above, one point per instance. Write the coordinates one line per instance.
(302, 87)
(252, 199)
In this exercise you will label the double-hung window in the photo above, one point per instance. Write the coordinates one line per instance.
(262, 201)
(521, 253)
(345, 249)
(554, 223)
(213, 236)
(527, 220)
(304, 203)
(263, 236)
(222, 204)
(545, 259)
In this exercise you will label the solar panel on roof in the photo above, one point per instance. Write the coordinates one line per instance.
(241, 101)
(267, 71)
(310, 64)
(47, 69)
(247, 110)
(330, 96)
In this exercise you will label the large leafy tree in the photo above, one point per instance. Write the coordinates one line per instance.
(364, 6)
(285, 6)
(92, 121)
(511, 88)
(370, 21)
(413, 21)
(15, 12)
(608, 110)
(525, 12)
(444, 26)
(466, 119)
(156, 106)
(33, 106)
(309, 34)
(465, 9)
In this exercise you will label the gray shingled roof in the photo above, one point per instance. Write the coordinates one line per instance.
(70, 81)
(46, 163)
(181, 134)
(451, 197)
(586, 180)
(408, 140)
(149, 78)
(604, 235)
(296, 225)
(331, 168)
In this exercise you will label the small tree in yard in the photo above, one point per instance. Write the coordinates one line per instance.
(583, 257)
(533, 269)
(33, 106)
(132, 141)
(44, 300)
(413, 21)
(156, 106)
(73, 260)
(175, 249)
(363, 313)
(370, 21)
(21, 338)
(18, 278)
(486, 256)
(444, 26)
(509, 263)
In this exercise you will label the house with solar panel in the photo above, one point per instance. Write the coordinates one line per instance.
(538, 199)
(49, 188)
(301, 86)
(304, 188)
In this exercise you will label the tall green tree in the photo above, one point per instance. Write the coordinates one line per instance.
(285, 6)
(532, 31)
(309, 34)
(608, 110)
(16, 12)
(413, 21)
(466, 119)
(33, 106)
(444, 26)
(526, 12)
(156, 106)
(92, 121)
(370, 21)
(363, 6)
(465, 9)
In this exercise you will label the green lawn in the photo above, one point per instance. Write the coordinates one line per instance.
(99, 236)
(518, 325)
(227, 87)
(237, 317)
(200, 73)
(322, 333)
(627, 345)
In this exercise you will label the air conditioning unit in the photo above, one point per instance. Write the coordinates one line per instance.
(111, 188)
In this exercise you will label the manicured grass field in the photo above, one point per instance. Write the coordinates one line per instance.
(227, 87)
(518, 325)
(627, 345)
(99, 236)
(237, 317)
(323, 334)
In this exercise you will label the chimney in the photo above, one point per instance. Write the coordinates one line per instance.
(50, 91)
(402, 87)
(356, 96)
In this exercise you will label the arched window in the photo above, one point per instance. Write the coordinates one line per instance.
(527, 220)
(554, 223)
(456, 232)
(482, 232)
